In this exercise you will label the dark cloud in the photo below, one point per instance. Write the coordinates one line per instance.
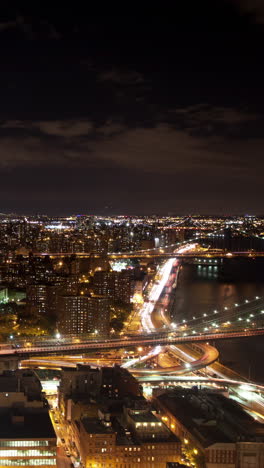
(163, 148)
(253, 7)
(203, 113)
(121, 77)
(8, 25)
(167, 116)
(61, 128)
(29, 27)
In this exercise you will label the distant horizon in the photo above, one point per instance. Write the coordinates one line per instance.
(112, 214)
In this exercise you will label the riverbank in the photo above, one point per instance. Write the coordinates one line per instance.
(201, 291)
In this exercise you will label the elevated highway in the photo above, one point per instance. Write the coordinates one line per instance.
(196, 380)
(158, 254)
(210, 355)
(142, 340)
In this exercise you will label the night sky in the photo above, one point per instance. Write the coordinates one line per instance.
(133, 114)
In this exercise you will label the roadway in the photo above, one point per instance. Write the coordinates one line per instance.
(161, 255)
(148, 339)
(157, 340)
(168, 274)
(142, 340)
(246, 393)
(210, 355)
(193, 379)
(184, 352)
(65, 454)
(63, 461)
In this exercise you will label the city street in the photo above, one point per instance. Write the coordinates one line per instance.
(62, 460)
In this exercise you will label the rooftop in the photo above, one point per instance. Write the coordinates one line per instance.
(35, 425)
(95, 426)
(211, 417)
(143, 416)
(21, 381)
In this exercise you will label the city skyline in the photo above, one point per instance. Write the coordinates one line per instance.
(132, 236)
(101, 116)
(125, 335)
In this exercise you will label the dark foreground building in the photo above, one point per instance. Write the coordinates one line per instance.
(215, 430)
(27, 437)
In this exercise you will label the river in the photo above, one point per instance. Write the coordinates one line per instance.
(201, 290)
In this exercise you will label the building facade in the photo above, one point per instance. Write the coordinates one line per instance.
(78, 314)
(27, 437)
(215, 431)
(117, 285)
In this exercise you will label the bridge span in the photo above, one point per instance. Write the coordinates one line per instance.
(142, 340)
(158, 254)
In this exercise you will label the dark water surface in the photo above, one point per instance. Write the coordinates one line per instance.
(201, 290)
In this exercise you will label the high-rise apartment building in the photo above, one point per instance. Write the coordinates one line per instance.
(114, 284)
(41, 298)
(83, 314)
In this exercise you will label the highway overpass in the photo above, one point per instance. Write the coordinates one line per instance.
(138, 340)
(157, 254)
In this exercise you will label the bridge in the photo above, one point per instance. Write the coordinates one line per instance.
(222, 243)
(159, 253)
(154, 339)
(239, 321)
(206, 329)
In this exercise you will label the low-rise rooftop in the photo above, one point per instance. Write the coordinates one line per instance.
(211, 417)
(143, 416)
(95, 426)
(31, 426)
